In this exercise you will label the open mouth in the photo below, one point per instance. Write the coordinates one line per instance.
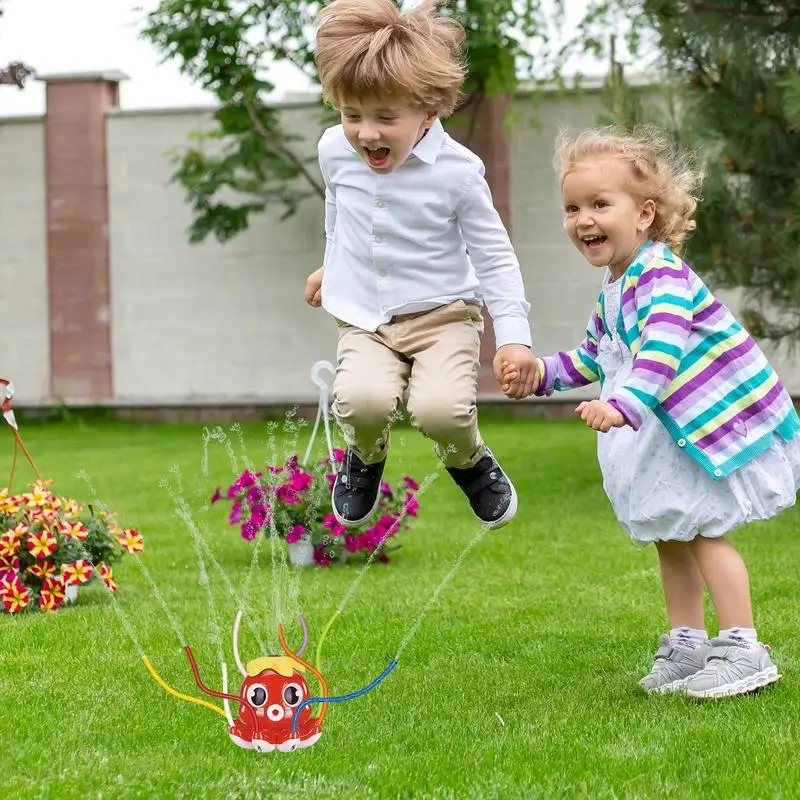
(377, 156)
(593, 242)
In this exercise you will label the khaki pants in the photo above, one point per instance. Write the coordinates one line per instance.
(433, 357)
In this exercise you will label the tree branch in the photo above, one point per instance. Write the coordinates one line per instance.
(274, 142)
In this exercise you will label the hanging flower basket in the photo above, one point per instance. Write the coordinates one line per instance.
(50, 546)
(295, 502)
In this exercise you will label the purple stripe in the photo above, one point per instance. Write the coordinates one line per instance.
(726, 365)
(742, 417)
(763, 417)
(675, 275)
(667, 318)
(654, 367)
(713, 308)
(627, 410)
(575, 377)
(627, 298)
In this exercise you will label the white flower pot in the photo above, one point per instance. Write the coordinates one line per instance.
(301, 553)
(70, 593)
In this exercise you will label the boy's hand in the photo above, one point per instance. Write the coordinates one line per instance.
(524, 380)
(600, 416)
(313, 292)
(510, 382)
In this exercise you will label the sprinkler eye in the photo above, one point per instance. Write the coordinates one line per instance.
(292, 695)
(256, 695)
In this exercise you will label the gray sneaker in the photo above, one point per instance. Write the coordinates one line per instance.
(733, 668)
(673, 666)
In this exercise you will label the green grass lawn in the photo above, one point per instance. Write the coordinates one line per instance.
(521, 681)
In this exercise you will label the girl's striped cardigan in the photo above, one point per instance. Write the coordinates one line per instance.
(694, 366)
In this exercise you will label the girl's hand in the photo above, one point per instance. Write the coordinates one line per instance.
(600, 416)
(510, 379)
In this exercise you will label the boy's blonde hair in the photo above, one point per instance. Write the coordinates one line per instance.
(368, 48)
(660, 173)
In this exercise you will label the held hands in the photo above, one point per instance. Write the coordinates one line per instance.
(517, 370)
(313, 292)
(600, 416)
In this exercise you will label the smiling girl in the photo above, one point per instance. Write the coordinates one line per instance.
(698, 435)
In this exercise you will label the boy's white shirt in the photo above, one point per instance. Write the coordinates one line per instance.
(397, 243)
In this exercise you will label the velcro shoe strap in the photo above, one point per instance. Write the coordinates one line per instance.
(483, 481)
(356, 481)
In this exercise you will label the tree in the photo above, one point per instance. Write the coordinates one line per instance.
(249, 160)
(16, 73)
(734, 65)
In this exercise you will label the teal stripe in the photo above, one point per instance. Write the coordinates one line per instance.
(730, 399)
(587, 361)
(701, 295)
(661, 347)
(648, 399)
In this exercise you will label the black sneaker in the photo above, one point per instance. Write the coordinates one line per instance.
(356, 491)
(490, 493)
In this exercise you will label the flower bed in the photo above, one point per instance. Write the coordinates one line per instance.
(298, 501)
(49, 543)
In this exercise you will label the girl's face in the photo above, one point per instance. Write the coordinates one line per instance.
(384, 132)
(604, 220)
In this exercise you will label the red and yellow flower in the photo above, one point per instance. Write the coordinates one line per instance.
(74, 530)
(9, 544)
(131, 540)
(53, 589)
(42, 544)
(42, 569)
(14, 595)
(77, 572)
(108, 577)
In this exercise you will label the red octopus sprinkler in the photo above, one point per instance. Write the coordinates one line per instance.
(273, 700)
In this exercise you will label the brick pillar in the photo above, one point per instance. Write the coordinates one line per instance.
(77, 234)
(487, 139)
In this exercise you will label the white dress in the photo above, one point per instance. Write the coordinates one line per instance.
(659, 492)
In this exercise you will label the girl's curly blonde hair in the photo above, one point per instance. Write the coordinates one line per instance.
(660, 173)
(368, 48)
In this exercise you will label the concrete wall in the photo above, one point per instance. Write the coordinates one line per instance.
(211, 324)
(24, 329)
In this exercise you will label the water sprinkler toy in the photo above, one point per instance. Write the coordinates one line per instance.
(273, 700)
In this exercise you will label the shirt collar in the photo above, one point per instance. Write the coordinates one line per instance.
(428, 147)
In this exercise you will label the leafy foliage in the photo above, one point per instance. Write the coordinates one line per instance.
(733, 64)
(250, 159)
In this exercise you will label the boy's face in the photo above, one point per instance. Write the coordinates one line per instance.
(384, 131)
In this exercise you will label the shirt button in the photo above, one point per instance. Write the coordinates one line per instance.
(378, 239)
(717, 473)
(380, 203)
(382, 273)
(681, 442)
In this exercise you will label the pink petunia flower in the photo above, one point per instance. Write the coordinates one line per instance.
(260, 514)
(295, 533)
(236, 513)
(411, 505)
(249, 530)
(255, 495)
(287, 494)
(217, 496)
(410, 483)
(321, 557)
(301, 481)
